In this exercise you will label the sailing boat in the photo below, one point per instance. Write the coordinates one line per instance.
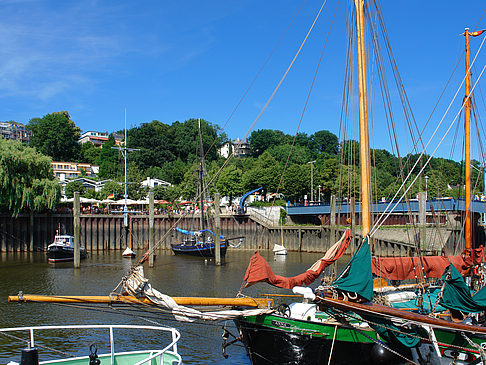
(201, 243)
(280, 249)
(339, 323)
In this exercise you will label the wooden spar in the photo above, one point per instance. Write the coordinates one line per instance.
(120, 299)
(364, 150)
(467, 147)
(377, 310)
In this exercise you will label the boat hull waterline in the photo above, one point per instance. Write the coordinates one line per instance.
(64, 254)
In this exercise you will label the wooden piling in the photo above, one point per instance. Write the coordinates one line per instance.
(422, 199)
(333, 218)
(151, 244)
(77, 230)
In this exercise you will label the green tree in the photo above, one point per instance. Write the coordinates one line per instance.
(186, 140)
(155, 144)
(172, 171)
(55, 135)
(325, 142)
(89, 153)
(112, 187)
(299, 155)
(26, 179)
(108, 160)
(169, 193)
(229, 182)
(296, 182)
(73, 186)
(266, 173)
(263, 139)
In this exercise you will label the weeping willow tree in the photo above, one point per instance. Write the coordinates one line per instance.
(27, 182)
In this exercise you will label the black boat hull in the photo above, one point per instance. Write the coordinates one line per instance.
(270, 345)
(64, 254)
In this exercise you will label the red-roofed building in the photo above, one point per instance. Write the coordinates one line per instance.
(97, 138)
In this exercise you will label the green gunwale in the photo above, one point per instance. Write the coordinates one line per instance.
(448, 339)
(314, 329)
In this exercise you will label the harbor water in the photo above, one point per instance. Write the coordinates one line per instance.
(100, 273)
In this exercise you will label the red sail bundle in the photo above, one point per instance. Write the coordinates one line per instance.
(260, 271)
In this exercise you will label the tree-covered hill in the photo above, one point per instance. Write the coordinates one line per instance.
(170, 152)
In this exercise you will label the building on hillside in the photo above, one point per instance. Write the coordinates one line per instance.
(73, 170)
(119, 139)
(87, 183)
(97, 138)
(16, 131)
(225, 150)
(240, 148)
(152, 182)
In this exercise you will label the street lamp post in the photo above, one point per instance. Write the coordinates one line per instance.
(319, 198)
(312, 179)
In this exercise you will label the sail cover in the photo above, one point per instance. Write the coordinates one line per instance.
(403, 268)
(456, 294)
(260, 271)
(356, 276)
(192, 233)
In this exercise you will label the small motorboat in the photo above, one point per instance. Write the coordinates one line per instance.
(62, 249)
(165, 354)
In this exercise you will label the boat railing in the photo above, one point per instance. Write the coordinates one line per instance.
(172, 346)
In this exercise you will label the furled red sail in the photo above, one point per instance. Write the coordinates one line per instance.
(260, 271)
(403, 268)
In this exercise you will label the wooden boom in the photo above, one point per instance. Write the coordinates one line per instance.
(120, 299)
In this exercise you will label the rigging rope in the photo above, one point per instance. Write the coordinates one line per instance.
(381, 220)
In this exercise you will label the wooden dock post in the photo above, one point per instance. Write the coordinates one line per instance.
(422, 198)
(151, 229)
(217, 230)
(77, 229)
(333, 219)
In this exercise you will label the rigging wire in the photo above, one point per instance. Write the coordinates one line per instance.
(259, 115)
(304, 107)
(378, 224)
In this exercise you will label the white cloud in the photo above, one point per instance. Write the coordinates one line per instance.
(45, 50)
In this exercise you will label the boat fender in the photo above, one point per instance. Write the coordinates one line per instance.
(93, 356)
(30, 356)
(380, 355)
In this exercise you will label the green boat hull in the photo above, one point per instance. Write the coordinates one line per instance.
(281, 340)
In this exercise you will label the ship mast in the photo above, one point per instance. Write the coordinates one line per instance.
(201, 179)
(364, 140)
(467, 147)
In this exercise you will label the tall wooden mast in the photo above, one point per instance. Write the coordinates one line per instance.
(364, 140)
(467, 147)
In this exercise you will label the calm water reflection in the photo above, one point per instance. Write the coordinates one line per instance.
(101, 273)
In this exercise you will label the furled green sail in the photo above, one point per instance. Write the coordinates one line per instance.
(357, 276)
(456, 294)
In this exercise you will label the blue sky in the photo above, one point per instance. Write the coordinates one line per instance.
(173, 60)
